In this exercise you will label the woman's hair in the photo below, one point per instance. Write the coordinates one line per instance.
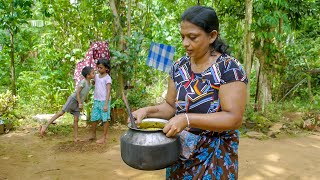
(105, 63)
(206, 18)
(86, 70)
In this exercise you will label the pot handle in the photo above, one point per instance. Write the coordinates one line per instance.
(132, 119)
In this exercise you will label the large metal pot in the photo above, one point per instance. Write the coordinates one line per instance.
(149, 149)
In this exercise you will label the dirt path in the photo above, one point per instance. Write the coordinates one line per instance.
(23, 155)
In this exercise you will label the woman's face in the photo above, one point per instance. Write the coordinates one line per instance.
(195, 40)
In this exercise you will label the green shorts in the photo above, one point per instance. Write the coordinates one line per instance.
(98, 113)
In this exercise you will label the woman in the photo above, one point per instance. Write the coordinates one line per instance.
(206, 98)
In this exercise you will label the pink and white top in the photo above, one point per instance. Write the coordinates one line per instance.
(100, 89)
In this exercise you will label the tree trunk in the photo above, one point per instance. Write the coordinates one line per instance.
(257, 87)
(12, 66)
(264, 96)
(121, 44)
(129, 18)
(117, 22)
(247, 45)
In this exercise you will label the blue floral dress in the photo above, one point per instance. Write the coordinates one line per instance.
(216, 154)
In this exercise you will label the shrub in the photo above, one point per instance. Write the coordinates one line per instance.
(7, 102)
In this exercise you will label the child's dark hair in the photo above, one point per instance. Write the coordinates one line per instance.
(86, 70)
(105, 63)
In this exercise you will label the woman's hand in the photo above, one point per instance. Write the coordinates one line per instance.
(175, 125)
(139, 115)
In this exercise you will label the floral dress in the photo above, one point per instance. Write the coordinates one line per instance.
(215, 155)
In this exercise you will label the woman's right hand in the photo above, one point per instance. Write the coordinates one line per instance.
(139, 115)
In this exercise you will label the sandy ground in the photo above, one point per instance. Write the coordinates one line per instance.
(24, 155)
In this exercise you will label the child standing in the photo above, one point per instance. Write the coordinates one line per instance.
(101, 105)
(74, 102)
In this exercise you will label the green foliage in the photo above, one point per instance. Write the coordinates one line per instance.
(46, 54)
(46, 76)
(255, 121)
(263, 121)
(7, 103)
(296, 103)
(14, 13)
(150, 93)
(132, 56)
(302, 49)
(25, 52)
(46, 94)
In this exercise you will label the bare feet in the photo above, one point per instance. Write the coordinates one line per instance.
(101, 141)
(42, 130)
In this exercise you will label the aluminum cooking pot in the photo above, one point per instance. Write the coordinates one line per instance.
(147, 147)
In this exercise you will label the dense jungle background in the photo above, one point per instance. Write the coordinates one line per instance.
(277, 41)
(41, 41)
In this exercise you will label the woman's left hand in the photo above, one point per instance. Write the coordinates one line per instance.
(175, 125)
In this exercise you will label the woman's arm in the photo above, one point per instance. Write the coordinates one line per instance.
(165, 110)
(233, 100)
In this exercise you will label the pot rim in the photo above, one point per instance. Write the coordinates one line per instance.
(149, 120)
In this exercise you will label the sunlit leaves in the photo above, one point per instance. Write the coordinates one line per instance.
(7, 102)
(52, 49)
(13, 13)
